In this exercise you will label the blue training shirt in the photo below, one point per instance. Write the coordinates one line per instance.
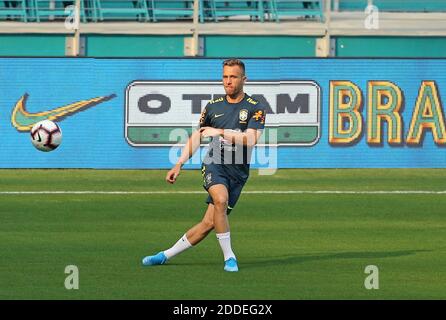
(219, 113)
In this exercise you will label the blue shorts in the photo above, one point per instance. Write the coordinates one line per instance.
(215, 174)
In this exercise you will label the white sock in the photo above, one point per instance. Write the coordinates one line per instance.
(225, 243)
(177, 248)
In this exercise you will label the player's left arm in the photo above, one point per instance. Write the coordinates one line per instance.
(248, 138)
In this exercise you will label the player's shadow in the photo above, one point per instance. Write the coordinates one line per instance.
(288, 259)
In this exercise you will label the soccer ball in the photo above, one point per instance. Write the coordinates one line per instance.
(46, 135)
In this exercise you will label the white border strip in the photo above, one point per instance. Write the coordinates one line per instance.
(244, 192)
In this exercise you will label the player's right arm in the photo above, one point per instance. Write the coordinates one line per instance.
(189, 149)
(192, 144)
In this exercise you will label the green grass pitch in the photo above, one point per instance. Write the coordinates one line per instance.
(289, 246)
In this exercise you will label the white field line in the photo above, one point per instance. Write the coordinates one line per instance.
(50, 192)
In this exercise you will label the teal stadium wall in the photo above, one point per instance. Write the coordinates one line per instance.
(264, 46)
(394, 5)
(259, 46)
(429, 47)
(32, 45)
(134, 46)
(222, 46)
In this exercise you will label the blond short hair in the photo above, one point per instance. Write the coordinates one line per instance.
(234, 62)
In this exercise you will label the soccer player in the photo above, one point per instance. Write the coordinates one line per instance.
(234, 123)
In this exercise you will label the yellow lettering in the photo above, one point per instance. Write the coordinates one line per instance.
(428, 114)
(345, 118)
(384, 104)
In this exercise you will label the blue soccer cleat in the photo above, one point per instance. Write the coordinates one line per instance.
(159, 258)
(231, 265)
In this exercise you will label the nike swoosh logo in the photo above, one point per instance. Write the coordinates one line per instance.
(40, 139)
(23, 120)
(218, 115)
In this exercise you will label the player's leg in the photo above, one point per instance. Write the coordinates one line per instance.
(192, 237)
(220, 195)
(202, 229)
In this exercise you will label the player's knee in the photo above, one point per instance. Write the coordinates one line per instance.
(220, 201)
